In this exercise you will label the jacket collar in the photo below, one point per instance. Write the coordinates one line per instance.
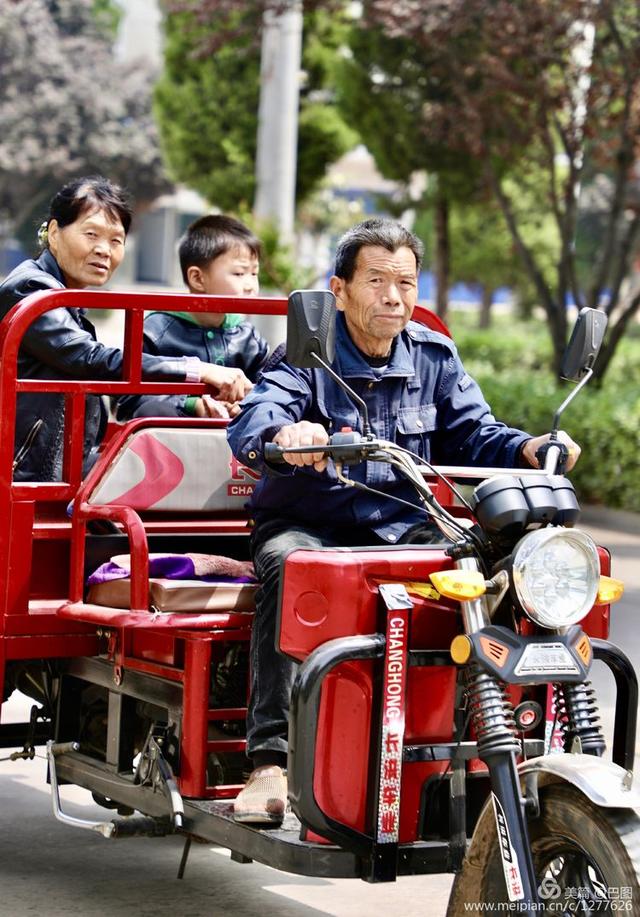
(352, 363)
(47, 263)
(231, 320)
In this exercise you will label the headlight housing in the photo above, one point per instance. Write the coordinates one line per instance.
(555, 575)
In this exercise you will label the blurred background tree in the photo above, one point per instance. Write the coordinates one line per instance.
(551, 87)
(482, 249)
(207, 103)
(68, 107)
(386, 88)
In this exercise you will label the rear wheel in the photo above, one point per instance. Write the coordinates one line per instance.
(587, 858)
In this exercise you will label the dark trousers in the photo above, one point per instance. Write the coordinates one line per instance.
(272, 674)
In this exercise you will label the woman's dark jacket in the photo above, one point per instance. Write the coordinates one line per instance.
(61, 344)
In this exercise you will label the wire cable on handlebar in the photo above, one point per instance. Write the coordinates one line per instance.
(380, 493)
(438, 474)
(402, 460)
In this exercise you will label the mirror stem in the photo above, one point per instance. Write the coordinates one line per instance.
(567, 401)
(366, 429)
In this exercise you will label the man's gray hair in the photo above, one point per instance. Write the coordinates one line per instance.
(381, 232)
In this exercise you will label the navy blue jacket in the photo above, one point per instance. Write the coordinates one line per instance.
(235, 343)
(423, 400)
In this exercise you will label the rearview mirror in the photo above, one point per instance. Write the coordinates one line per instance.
(584, 344)
(311, 327)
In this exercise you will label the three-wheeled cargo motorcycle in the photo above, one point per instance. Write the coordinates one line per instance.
(442, 719)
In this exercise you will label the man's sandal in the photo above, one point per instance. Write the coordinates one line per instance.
(263, 801)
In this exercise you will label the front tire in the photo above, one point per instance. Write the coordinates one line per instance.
(587, 858)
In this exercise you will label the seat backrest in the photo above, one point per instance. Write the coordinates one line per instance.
(168, 469)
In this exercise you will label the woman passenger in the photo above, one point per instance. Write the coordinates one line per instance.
(83, 240)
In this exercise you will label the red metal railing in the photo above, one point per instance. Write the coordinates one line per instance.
(23, 314)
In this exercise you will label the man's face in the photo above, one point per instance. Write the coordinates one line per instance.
(379, 299)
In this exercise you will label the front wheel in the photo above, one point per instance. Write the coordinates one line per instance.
(587, 858)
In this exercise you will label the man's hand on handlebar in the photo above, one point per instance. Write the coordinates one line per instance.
(228, 383)
(303, 434)
(531, 447)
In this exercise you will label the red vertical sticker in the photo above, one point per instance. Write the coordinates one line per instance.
(394, 691)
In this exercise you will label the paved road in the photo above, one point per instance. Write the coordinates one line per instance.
(47, 868)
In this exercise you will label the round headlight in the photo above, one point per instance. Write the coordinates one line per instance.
(556, 574)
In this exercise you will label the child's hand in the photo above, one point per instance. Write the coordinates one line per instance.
(209, 407)
(229, 384)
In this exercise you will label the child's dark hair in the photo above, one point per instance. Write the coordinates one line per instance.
(212, 236)
(81, 194)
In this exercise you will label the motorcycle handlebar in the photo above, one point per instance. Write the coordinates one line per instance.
(347, 447)
(273, 453)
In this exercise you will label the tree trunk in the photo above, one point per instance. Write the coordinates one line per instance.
(616, 333)
(484, 319)
(558, 329)
(442, 255)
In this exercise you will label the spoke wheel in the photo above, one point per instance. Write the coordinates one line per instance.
(587, 859)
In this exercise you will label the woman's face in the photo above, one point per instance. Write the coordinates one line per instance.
(88, 250)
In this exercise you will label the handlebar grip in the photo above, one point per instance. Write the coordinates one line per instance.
(273, 453)
(553, 456)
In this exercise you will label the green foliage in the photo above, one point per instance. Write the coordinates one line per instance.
(206, 112)
(207, 105)
(68, 107)
(385, 91)
(509, 363)
(502, 86)
(509, 344)
(279, 271)
(482, 249)
(323, 137)
(108, 15)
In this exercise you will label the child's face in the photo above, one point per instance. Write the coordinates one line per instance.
(235, 273)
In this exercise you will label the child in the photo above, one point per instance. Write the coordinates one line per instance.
(218, 255)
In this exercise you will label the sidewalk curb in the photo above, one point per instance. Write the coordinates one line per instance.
(606, 517)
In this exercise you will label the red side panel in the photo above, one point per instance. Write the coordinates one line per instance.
(428, 717)
(414, 776)
(344, 741)
(329, 594)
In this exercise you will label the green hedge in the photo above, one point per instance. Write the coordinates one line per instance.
(510, 362)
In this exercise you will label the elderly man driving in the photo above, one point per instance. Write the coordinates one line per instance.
(418, 395)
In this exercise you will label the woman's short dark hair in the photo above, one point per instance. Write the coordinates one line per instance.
(211, 236)
(86, 193)
(380, 231)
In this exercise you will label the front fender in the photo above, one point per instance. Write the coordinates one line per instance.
(603, 782)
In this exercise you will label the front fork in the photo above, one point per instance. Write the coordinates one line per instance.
(498, 747)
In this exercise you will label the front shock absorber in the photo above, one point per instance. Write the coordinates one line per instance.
(579, 717)
(492, 714)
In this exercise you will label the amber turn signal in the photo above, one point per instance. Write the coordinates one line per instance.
(459, 584)
(609, 590)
